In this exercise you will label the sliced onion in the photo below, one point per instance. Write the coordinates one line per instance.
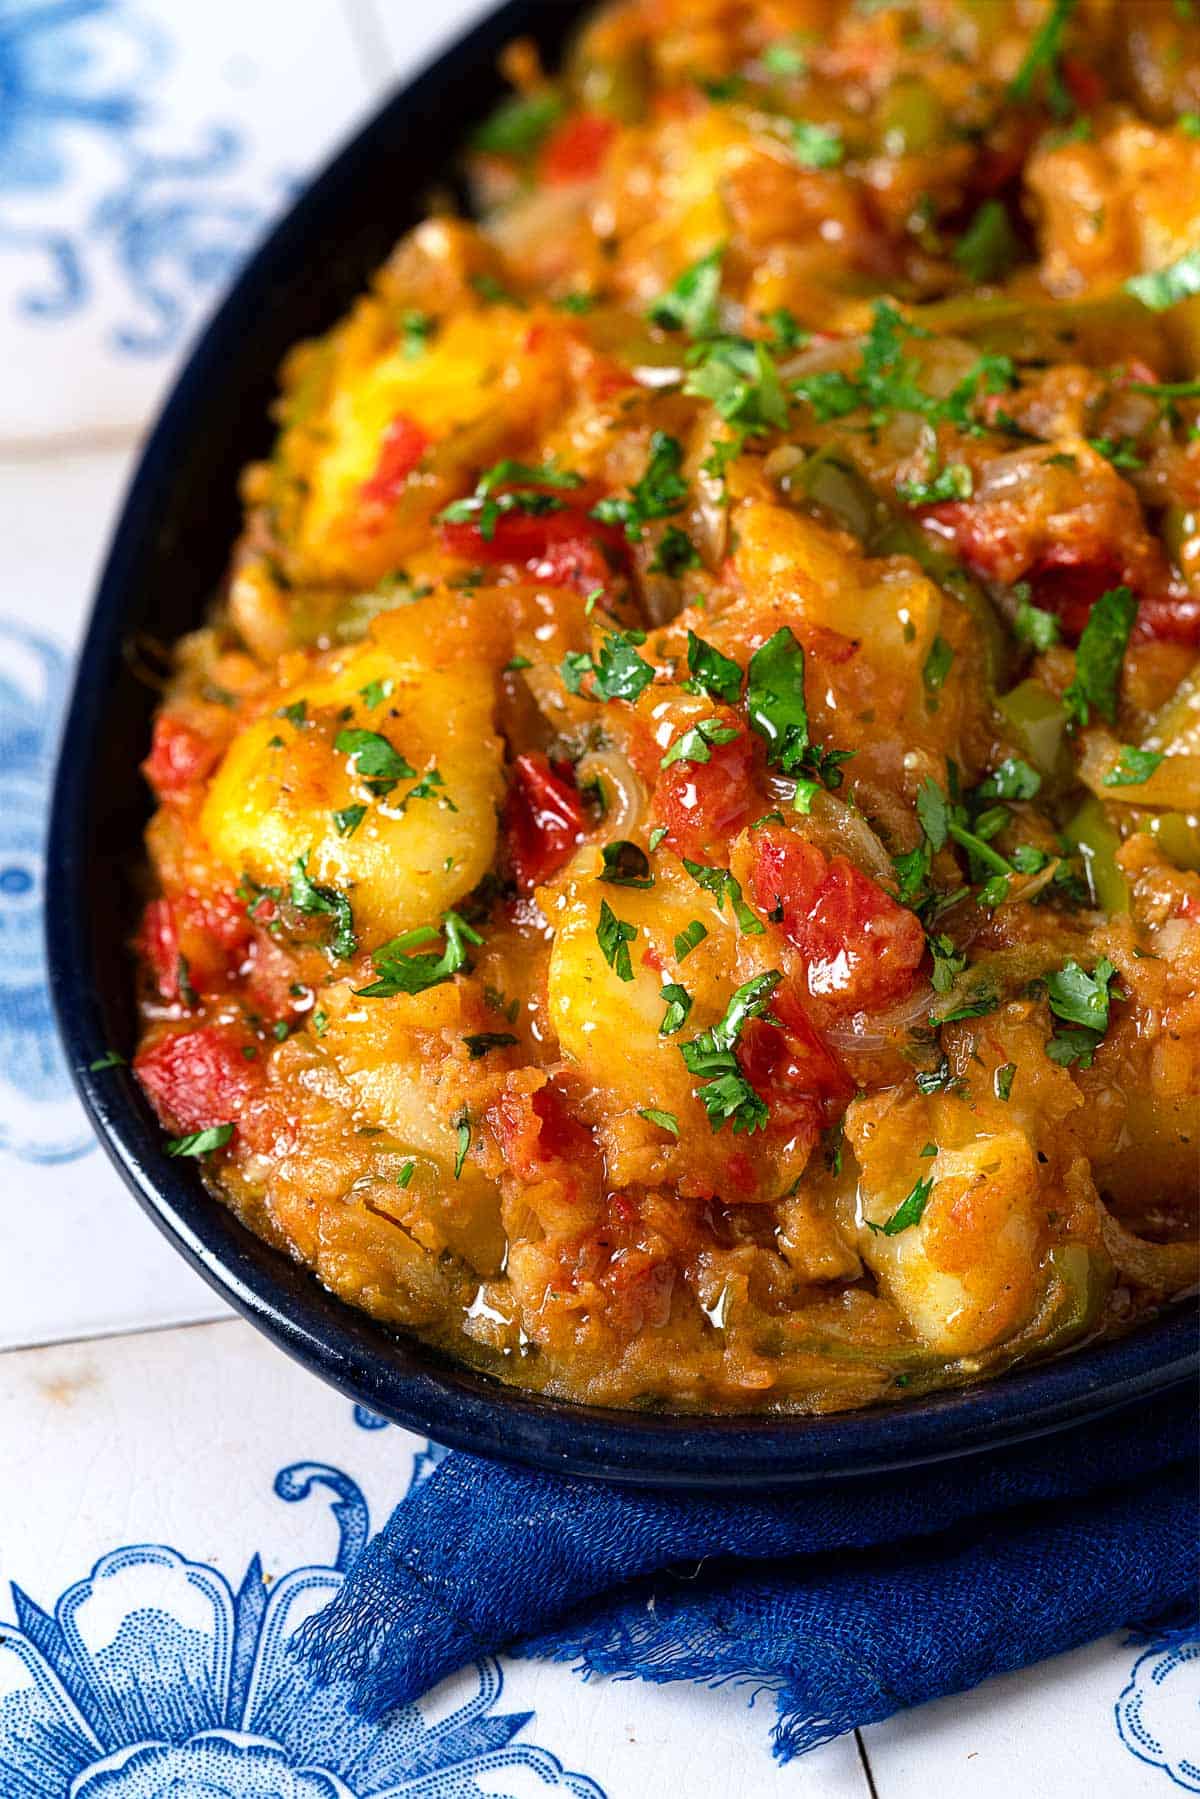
(839, 830)
(623, 792)
(1163, 1267)
(868, 1032)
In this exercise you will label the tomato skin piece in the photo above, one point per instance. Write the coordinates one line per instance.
(541, 1141)
(577, 149)
(704, 804)
(563, 549)
(792, 1068)
(1167, 619)
(543, 820)
(862, 948)
(401, 448)
(198, 1079)
(180, 757)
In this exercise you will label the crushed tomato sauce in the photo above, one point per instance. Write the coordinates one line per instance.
(676, 875)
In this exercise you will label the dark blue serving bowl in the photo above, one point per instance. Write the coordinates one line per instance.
(167, 557)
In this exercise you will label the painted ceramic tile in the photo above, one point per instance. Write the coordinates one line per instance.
(76, 1256)
(161, 1547)
(145, 145)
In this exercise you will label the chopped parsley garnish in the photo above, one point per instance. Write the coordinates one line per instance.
(510, 486)
(515, 664)
(686, 940)
(948, 962)
(692, 303)
(1013, 779)
(738, 376)
(978, 1007)
(679, 1004)
(1120, 451)
(347, 820)
(693, 744)
(775, 702)
(666, 1121)
(614, 936)
(406, 1173)
(888, 382)
(375, 692)
(725, 1092)
(314, 901)
(416, 329)
(988, 247)
(398, 971)
(1099, 656)
(661, 490)
(295, 714)
(937, 665)
(619, 673)
(1179, 280)
(1039, 629)
(519, 124)
(626, 864)
(785, 58)
(711, 672)
(462, 1133)
(376, 762)
(1074, 1047)
(112, 1058)
(1003, 1079)
(200, 1143)
(719, 882)
(577, 303)
(910, 1211)
(1042, 58)
(675, 554)
(817, 146)
(481, 1042)
(1132, 767)
(1081, 998)
(954, 482)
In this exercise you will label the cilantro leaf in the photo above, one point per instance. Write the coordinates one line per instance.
(518, 124)
(626, 864)
(692, 303)
(1039, 629)
(1074, 1048)
(1179, 280)
(719, 882)
(619, 673)
(1100, 655)
(910, 1211)
(675, 553)
(679, 1004)
(937, 665)
(1079, 997)
(687, 939)
(511, 486)
(1014, 779)
(725, 1092)
(775, 702)
(817, 146)
(954, 482)
(1003, 1081)
(712, 672)
(693, 744)
(614, 936)
(660, 491)
(348, 819)
(933, 810)
(1132, 767)
(462, 1133)
(1042, 58)
(666, 1121)
(397, 971)
(739, 377)
(314, 901)
(200, 1143)
(376, 762)
(988, 247)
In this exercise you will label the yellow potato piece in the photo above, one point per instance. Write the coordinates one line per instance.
(274, 796)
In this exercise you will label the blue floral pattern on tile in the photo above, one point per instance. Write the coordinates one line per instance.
(154, 1679)
(40, 1119)
(1158, 1713)
(77, 76)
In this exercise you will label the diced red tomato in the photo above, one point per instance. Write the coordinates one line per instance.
(543, 820)
(180, 756)
(703, 804)
(577, 149)
(540, 1140)
(1071, 589)
(791, 1067)
(198, 1079)
(401, 448)
(1170, 619)
(208, 935)
(1085, 84)
(563, 549)
(862, 948)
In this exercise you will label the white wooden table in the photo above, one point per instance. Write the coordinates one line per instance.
(142, 148)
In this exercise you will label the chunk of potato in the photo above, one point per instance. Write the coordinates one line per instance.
(274, 797)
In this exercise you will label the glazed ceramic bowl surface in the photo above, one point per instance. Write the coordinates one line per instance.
(167, 557)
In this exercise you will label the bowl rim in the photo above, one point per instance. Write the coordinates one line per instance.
(391, 1374)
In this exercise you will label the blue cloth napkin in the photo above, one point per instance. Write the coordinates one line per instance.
(849, 1601)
